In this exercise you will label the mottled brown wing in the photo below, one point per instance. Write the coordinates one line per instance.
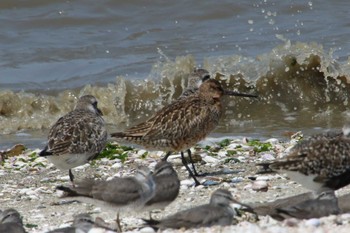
(77, 132)
(140, 129)
(327, 157)
(182, 119)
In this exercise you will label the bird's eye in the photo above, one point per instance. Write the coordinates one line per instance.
(206, 77)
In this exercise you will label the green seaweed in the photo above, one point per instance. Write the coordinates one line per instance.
(40, 164)
(224, 143)
(228, 160)
(30, 225)
(144, 155)
(114, 151)
(260, 146)
(231, 152)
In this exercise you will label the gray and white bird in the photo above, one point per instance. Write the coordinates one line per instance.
(167, 186)
(320, 163)
(195, 79)
(117, 194)
(217, 212)
(11, 222)
(325, 204)
(82, 223)
(77, 137)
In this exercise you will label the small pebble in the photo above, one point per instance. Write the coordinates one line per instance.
(210, 183)
(273, 141)
(291, 222)
(117, 165)
(96, 230)
(267, 156)
(147, 230)
(266, 178)
(210, 159)
(316, 222)
(187, 182)
(63, 178)
(260, 186)
(237, 179)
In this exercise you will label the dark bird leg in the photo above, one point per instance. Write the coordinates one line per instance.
(71, 176)
(150, 215)
(119, 228)
(166, 156)
(184, 162)
(192, 162)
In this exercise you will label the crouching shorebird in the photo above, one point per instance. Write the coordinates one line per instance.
(181, 124)
(11, 222)
(167, 187)
(117, 194)
(82, 223)
(320, 163)
(323, 205)
(217, 212)
(77, 137)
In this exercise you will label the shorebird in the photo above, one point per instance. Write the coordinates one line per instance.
(196, 78)
(321, 163)
(181, 124)
(118, 194)
(167, 187)
(217, 212)
(11, 222)
(325, 204)
(82, 223)
(77, 137)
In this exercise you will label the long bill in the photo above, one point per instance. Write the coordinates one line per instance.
(234, 93)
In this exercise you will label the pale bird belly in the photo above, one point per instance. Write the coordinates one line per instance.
(305, 180)
(68, 161)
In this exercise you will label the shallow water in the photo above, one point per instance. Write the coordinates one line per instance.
(135, 57)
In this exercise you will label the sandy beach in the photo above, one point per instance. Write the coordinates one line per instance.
(28, 184)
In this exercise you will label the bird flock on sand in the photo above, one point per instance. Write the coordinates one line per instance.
(320, 163)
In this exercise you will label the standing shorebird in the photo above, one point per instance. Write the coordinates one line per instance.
(217, 212)
(183, 123)
(118, 194)
(325, 204)
(167, 186)
(77, 137)
(321, 163)
(11, 222)
(196, 78)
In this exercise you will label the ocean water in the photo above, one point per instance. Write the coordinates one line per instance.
(135, 57)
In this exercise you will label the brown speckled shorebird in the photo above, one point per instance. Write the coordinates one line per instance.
(77, 137)
(320, 163)
(183, 123)
(195, 79)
